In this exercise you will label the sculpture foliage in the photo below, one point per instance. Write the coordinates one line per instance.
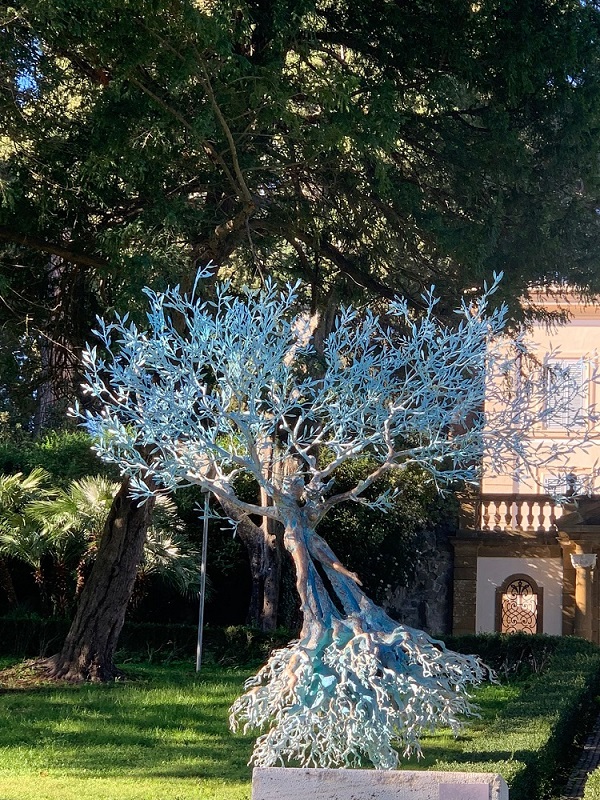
(214, 389)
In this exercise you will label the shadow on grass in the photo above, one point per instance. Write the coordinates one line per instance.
(166, 721)
(439, 755)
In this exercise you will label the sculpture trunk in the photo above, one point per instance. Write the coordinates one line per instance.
(352, 663)
(329, 592)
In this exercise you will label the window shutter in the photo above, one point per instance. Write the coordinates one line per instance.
(565, 398)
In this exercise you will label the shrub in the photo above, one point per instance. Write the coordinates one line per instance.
(66, 455)
(531, 739)
(517, 654)
(384, 547)
(32, 636)
(592, 786)
(235, 645)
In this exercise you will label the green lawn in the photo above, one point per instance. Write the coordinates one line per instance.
(160, 735)
(442, 747)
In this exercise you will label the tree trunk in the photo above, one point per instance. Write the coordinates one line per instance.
(250, 535)
(6, 582)
(39, 576)
(60, 593)
(88, 651)
(263, 544)
(271, 573)
(57, 352)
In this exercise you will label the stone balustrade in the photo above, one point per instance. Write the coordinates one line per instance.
(515, 512)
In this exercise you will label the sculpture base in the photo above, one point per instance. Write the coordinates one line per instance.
(278, 783)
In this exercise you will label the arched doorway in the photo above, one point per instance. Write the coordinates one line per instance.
(519, 605)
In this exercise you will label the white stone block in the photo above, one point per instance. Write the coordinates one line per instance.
(277, 783)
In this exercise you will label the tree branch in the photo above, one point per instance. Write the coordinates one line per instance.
(37, 243)
(206, 84)
(344, 264)
(246, 195)
(225, 493)
(208, 146)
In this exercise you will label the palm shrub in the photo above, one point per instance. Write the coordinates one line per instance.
(71, 521)
(66, 525)
(19, 537)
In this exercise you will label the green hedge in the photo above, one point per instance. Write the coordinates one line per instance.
(231, 646)
(31, 637)
(592, 786)
(531, 740)
(514, 655)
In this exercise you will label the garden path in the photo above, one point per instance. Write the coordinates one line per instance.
(588, 761)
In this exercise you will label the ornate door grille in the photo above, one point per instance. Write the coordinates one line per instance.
(519, 611)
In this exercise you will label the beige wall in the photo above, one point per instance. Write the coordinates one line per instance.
(493, 571)
(577, 338)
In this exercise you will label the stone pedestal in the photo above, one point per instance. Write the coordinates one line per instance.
(277, 783)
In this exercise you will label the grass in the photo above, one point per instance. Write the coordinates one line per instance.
(529, 737)
(162, 734)
(442, 747)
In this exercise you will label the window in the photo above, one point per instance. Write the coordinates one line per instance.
(567, 484)
(519, 606)
(565, 393)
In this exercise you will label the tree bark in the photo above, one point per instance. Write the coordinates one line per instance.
(88, 651)
(57, 387)
(56, 344)
(271, 573)
(7, 583)
(250, 535)
(60, 588)
(263, 543)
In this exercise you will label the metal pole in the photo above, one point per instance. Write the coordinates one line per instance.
(202, 584)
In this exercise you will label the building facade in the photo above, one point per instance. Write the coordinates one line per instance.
(522, 560)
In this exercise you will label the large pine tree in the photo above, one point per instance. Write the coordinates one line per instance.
(369, 148)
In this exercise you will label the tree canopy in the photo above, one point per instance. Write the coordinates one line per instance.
(364, 147)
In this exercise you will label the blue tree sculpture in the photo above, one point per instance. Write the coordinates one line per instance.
(236, 392)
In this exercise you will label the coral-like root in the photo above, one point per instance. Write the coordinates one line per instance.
(355, 698)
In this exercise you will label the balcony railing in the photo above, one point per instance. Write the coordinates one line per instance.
(513, 512)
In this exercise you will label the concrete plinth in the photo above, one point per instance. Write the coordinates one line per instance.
(276, 783)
